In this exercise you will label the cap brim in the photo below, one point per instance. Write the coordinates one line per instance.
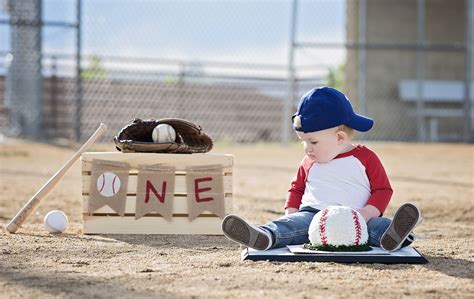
(360, 123)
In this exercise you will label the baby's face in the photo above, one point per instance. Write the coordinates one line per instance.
(323, 146)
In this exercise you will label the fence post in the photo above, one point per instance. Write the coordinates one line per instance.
(468, 70)
(420, 73)
(362, 76)
(24, 88)
(54, 97)
(288, 102)
(78, 81)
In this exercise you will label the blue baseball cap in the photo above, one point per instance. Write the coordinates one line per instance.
(325, 107)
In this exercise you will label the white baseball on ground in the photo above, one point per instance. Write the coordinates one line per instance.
(163, 133)
(108, 184)
(55, 221)
(338, 225)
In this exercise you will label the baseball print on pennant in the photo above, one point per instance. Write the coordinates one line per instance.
(155, 190)
(205, 190)
(109, 182)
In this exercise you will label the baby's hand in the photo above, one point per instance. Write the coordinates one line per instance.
(369, 212)
(289, 211)
(364, 214)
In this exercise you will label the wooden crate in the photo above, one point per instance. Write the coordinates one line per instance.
(106, 221)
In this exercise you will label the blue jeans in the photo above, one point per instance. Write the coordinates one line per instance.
(293, 229)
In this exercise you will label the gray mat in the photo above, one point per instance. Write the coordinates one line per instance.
(407, 255)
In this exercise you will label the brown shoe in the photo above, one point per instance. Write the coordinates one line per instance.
(238, 230)
(404, 221)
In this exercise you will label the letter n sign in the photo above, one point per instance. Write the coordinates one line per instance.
(155, 189)
(150, 188)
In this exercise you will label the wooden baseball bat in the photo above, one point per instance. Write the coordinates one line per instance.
(33, 203)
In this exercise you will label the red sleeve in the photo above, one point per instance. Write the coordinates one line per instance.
(298, 185)
(380, 189)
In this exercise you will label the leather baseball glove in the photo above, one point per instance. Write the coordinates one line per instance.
(137, 137)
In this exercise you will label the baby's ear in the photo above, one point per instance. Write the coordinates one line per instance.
(341, 136)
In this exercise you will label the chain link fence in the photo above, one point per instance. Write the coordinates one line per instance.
(234, 66)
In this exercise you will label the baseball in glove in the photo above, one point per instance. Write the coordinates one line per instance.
(137, 137)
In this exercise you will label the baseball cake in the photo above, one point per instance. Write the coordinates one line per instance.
(338, 228)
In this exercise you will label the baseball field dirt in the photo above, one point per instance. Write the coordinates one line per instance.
(438, 178)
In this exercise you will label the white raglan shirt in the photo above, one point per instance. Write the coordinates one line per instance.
(354, 179)
(341, 181)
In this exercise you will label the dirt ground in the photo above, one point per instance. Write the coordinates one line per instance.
(439, 178)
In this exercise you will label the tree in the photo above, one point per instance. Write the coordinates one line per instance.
(94, 70)
(336, 77)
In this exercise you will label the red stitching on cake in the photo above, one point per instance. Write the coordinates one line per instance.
(322, 227)
(357, 227)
